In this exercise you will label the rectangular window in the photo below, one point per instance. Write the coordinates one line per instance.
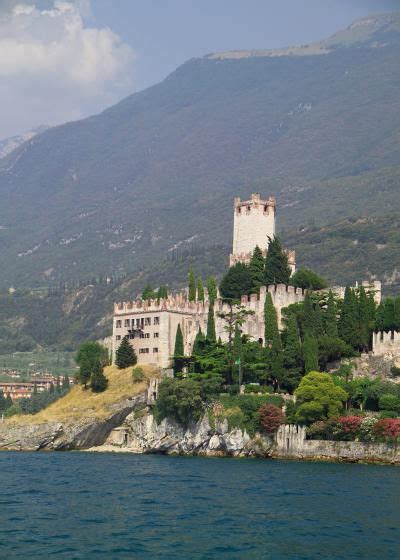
(147, 335)
(144, 351)
(141, 335)
(118, 337)
(156, 335)
(127, 323)
(137, 323)
(156, 320)
(155, 350)
(147, 321)
(118, 324)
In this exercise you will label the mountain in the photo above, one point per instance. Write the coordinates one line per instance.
(8, 145)
(317, 126)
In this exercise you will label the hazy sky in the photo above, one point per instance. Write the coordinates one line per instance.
(64, 59)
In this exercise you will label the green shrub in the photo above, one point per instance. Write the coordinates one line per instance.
(137, 375)
(255, 389)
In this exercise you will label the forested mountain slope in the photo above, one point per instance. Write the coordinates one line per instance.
(318, 127)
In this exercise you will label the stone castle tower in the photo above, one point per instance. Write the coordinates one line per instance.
(253, 223)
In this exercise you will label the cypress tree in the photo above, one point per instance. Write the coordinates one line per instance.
(200, 290)
(199, 343)
(271, 331)
(212, 288)
(389, 316)
(98, 381)
(397, 313)
(125, 355)
(162, 292)
(178, 350)
(380, 318)
(192, 285)
(292, 357)
(331, 328)
(256, 269)
(277, 269)
(364, 322)
(310, 353)
(211, 334)
(348, 322)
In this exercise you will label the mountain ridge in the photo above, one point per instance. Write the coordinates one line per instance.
(116, 192)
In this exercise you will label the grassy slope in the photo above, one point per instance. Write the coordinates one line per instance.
(79, 404)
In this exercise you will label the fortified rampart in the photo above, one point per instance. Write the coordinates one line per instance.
(386, 343)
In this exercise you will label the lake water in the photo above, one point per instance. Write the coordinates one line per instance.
(91, 506)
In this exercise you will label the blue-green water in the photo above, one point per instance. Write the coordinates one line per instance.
(90, 506)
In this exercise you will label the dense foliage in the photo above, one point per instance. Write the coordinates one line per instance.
(125, 355)
(91, 359)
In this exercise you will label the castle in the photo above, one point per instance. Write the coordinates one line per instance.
(151, 325)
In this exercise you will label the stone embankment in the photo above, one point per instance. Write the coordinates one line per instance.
(143, 435)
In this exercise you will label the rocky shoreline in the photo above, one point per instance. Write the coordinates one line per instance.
(132, 429)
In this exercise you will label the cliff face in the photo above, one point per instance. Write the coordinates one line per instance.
(144, 435)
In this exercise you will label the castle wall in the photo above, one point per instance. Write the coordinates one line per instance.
(386, 343)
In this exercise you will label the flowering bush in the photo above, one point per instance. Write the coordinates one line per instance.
(349, 426)
(388, 429)
(271, 417)
(366, 429)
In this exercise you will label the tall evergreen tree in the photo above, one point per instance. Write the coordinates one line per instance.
(236, 282)
(310, 353)
(389, 314)
(179, 350)
(312, 317)
(380, 318)
(256, 269)
(148, 293)
(85, 371)
(348, 321)
(162, 292)
(364, 320)
(199, 343)
(212, 288)
(98, 381)
(200, 289)
(331, 327)
(271, 330)
(125, 356)
(397, 313)
(192, 285)
(211, 334)
(292, 356)
(277, 269)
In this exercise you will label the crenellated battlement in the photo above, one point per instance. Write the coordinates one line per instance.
(246, 206)
(175, 302)
(386, 343)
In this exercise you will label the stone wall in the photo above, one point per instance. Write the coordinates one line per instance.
(291, 444)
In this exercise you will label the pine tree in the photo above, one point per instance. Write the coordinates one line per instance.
(211, 334)
(200, 290)
(212, 288)
(98, 381)
(192, 285)
(236, 282)
(277, 269)
(331, 328)
(125, 355)
(271, 331)
(85, 371)
(256, 269)
(310, 353)
(178, 350)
